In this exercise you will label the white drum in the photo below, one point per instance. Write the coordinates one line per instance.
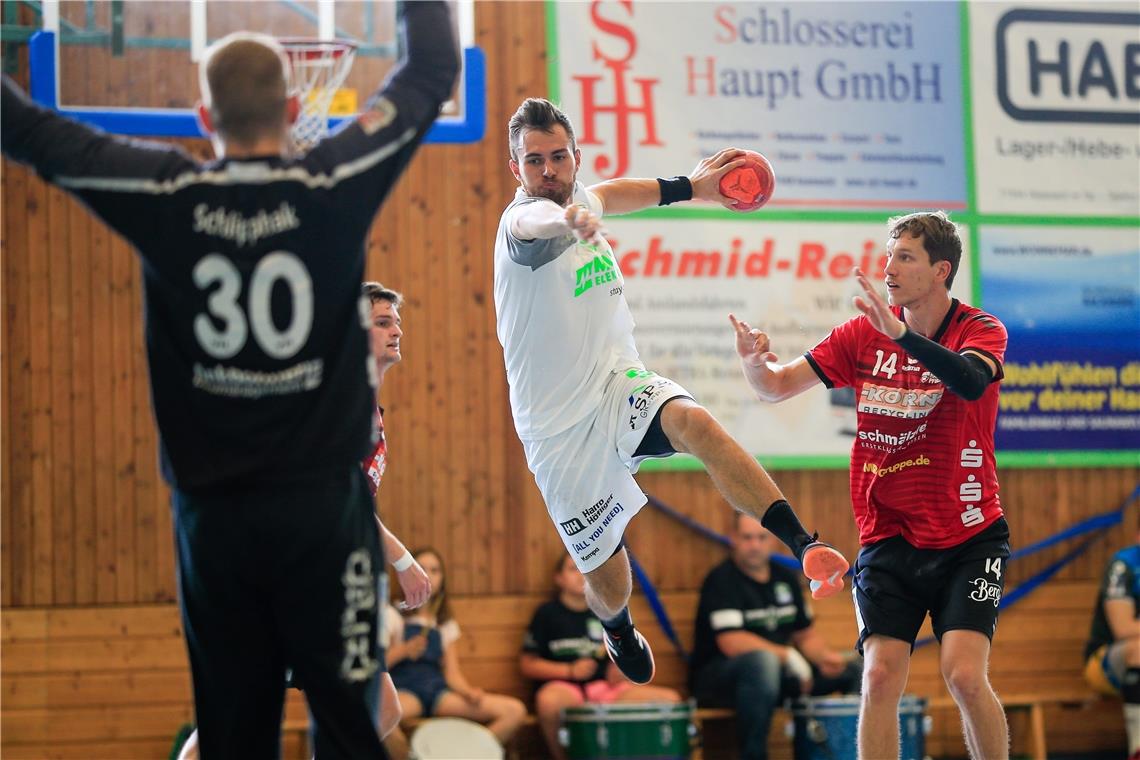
(454, 739)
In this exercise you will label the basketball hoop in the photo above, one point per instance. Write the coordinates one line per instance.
(319, 69)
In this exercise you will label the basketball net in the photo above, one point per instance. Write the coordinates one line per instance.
(319, 69)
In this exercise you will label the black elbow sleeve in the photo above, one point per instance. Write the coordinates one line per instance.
(964, 375)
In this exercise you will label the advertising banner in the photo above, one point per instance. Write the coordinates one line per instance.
(858, 105)
(1056, 103)
(1070, 299)
(791, 280)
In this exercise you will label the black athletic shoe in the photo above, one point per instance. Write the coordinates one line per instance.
(631, 653)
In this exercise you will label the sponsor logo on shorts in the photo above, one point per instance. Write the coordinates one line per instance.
(641, 400)
(572, 526)
(984, 591)
(585, 543)
(591, 514)
(359, 583)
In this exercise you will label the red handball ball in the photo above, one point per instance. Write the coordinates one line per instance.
(750, 185)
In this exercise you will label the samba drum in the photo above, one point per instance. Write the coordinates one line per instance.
(645, 731)
(825, 727)
(454, 739)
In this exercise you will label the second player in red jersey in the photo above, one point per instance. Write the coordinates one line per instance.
(926, 370)
(922, 465)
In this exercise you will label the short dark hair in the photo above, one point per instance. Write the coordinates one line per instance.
(537, 113)
(377, 293)
(244, 79)
(939, 236)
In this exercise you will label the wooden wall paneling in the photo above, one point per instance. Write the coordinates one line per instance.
(6, 219)
(493, 410)
(18, 582)
(83, 348)
(39, 285)
(61, 320)
(122, 508)
(103, 442)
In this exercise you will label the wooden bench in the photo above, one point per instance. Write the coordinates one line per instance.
(113, 682)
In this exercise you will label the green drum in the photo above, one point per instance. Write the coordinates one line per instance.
(633, 730)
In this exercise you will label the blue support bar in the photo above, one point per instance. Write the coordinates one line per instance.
(160, 122)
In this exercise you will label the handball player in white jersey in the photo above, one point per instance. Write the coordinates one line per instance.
(585, 407)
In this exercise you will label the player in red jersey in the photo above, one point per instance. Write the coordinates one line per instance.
(926, 369)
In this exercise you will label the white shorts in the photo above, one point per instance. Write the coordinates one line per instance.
(585, 473)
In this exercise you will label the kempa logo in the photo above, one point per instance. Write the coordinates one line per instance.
(598, 270)
(1068, 66)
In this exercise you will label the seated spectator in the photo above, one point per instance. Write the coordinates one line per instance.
(755, 644)
(1112, 655)
(424, 663)
(563, 651)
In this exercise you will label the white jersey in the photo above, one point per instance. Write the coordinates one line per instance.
(562, 319)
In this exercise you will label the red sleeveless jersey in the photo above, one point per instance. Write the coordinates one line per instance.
(922, 465)
(375, 464)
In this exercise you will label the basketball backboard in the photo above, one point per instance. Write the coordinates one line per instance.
(130, 67)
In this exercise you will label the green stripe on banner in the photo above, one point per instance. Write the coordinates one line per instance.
(1032, 459)
(553, 86)
(688, 463)
(1013, 459)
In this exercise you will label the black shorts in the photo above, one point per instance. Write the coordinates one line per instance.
(896, 584)
(281, 575)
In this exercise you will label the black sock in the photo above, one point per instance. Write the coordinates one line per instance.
(784, 525)
(1130, 686)
(618, 622)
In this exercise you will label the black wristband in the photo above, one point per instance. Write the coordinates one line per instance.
(674, 190)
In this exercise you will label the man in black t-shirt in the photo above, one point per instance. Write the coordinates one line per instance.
(1112, 654)
(563, 651)
(755, 644)
(259, 368)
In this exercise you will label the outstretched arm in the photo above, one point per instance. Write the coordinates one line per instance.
(965, 374)
(624, 196)
(544, 219)
(770, 381)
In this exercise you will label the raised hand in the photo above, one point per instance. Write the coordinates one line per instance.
(752, 345)
(877, 309)
(583, 223)
(706, 177)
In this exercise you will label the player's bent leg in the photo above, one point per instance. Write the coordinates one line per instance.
(964, 661)
(747, 486)
(886, 663)
(549, 702)
(607, 586)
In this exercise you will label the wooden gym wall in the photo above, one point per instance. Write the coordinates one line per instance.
(85, 515)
